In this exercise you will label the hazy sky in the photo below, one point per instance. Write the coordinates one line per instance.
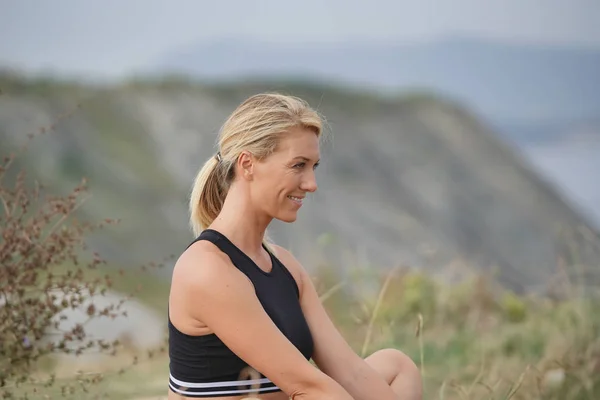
(111, 37)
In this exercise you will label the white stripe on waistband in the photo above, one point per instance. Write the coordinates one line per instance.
(219, 384)
(221, 392)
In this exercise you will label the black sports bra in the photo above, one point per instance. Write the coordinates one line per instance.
(203, 366)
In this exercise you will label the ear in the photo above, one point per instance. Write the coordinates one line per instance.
(245, 163)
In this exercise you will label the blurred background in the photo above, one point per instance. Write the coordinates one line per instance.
(464, 135)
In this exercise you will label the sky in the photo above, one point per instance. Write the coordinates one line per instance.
(113, 38)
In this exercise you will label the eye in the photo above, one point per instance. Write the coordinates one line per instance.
(302, 165)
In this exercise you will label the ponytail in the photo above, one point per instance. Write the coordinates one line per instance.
(208, 195)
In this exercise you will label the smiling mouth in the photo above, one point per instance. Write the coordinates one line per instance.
(297, 200)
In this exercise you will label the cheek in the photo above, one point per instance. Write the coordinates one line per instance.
(272, 184)
(269, 184)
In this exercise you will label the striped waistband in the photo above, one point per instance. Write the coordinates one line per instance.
(223, 388)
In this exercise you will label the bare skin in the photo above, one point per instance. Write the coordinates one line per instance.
(209, 295)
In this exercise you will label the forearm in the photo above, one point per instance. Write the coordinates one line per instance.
(363, 383)
(324, 388)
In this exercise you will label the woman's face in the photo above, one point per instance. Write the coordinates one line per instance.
(281, 181)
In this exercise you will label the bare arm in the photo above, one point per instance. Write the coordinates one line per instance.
(332, 353)
(211, 290)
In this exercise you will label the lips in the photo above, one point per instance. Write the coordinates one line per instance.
(297, 200)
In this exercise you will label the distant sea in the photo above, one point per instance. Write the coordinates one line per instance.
(573, 167)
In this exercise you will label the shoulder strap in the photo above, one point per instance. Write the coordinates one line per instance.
(218, 240)
(205, 235)
(238, 258)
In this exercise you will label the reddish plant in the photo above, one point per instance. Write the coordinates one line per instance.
(44, 270)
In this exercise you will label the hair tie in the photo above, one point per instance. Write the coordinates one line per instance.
(218, 156)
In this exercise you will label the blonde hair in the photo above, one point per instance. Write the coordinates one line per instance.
(256, 125)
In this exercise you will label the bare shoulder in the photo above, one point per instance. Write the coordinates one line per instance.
(200, 276)
(202, 265)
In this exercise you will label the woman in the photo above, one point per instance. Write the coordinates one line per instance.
(239, 305)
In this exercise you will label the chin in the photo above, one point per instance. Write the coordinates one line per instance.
(287, 217)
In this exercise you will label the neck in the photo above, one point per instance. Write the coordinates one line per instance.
(241, 223)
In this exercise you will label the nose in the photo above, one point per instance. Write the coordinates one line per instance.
(309, 183)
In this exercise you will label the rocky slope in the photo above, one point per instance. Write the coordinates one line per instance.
(414, 180)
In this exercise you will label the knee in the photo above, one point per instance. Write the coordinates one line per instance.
(402, 363)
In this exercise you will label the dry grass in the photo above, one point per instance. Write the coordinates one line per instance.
(475, 341)
(471, 342)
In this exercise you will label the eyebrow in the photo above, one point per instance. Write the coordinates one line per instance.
(303, 158)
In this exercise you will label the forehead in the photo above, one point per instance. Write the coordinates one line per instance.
(299, 142)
